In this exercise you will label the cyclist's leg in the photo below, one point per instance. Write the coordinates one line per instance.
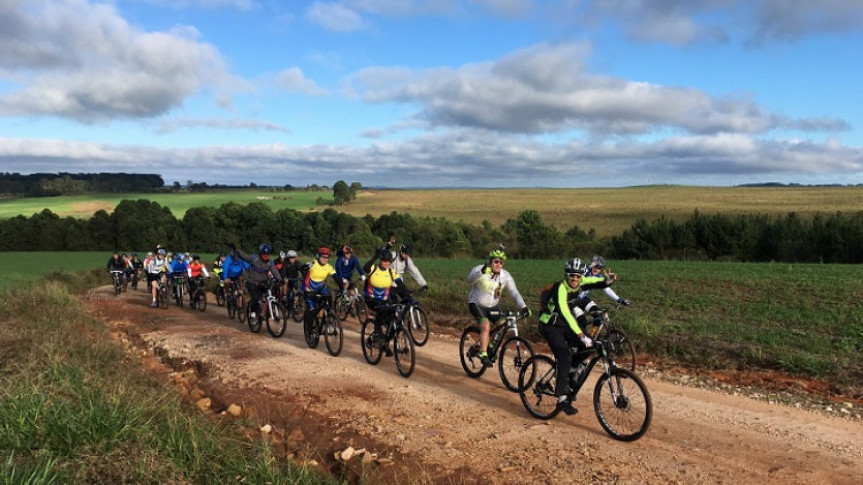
(559, 343)
(254, 296)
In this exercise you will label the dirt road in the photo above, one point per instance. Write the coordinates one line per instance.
(439, 426)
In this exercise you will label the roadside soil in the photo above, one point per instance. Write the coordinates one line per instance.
(352, 419)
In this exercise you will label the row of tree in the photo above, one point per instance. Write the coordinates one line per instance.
(52, 184)
(141, 224)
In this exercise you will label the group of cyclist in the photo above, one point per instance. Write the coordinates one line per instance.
(563, 316)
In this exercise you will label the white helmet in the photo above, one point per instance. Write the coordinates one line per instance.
(573, 266)
(282, 255)
(292, 254)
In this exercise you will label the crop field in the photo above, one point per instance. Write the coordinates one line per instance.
(607, 211)
(85, 205)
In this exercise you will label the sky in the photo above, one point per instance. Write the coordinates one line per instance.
(436, 93)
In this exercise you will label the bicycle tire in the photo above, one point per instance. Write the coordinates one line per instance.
(241, 308)
(627, 416)
(343, 308)
(333, 336)
(200, 299)
(221, 298)
(310, 330)
(297, 307)
(468, 352)
(254, 323)
(231, 307)
(278, 321)
(362, 310)
(163, 297)
(371, 352)
(536, 383)
(404, 352)
(418, 326)
(511, 358)
(621, 349)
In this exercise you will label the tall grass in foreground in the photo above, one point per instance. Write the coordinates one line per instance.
(803, 319)
(72, 410)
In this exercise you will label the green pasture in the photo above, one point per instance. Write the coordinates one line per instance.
(179, 202)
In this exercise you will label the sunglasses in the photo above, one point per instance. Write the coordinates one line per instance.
(574, 276)
(497, 261)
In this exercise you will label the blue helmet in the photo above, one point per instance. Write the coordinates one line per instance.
(264, 249)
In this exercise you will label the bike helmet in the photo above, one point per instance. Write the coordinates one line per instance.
(282, 255)
(195, 257)
(598, 261)
(162, 252)
(347, 249)
(405, 249)
(222, 255)
(292, 254)
(574, 266)
(497, 253)
(386, 256)
(264, 249)
(324, 251)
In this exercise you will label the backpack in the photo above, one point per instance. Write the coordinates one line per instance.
(544, 298)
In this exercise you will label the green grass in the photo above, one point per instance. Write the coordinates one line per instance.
(74, 410)
(85, 205)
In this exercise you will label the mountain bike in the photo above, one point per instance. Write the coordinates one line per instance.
(117, 277)
(161, 294)
(294, 300)
(617, 342)
(620, 398)
(351, 302)
(511, 355)
(197, 297)
(221, 293)
(416, 321)
(235, 301)
(271, 311)
(374, 345)
(178, 284)
(324, 321)
(132, 277)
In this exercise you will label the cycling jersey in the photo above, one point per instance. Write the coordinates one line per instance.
(318, 272)
(179, 267)
(233, 267)
(196, 268)
(116, 264)
(258, 270)
(486, 288)
(559, 312)
(345, 269)
(156, 266)
(400, 265)
(379, 282)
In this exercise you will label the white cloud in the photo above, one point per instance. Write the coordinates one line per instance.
(335, 17)
(507, 8)
(175, 124)
(83, 61)
(791, 19)
(293, 80)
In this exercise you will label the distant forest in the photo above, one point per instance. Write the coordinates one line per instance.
(54, 184)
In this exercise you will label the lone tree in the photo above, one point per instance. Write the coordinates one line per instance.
(342, 193)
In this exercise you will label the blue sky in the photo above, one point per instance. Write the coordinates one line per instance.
(436, 93)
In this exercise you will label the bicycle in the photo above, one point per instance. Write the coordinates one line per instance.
(198, 297)
(511, 355)
(326, 323)
(417, 321)
(351, 302)
(620, 398)
(161, 294)
(235, 301)
(221, 294)
(618, 343)
(117, 277)
(131, 279)
(271, 311)
(403, 344)
(178, 283)
(294, 300)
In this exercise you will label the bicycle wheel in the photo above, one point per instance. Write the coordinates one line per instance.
(297, 307)
(536, 383)
(371, 351)
(361, 309)
(343, 308)
(418, 325)
(621, 349)
(513, 354)
(277, 321)
(468, 351)
(231, 306)
(241, 308)
(220, 296)
(163, 297)
(310, 329)
(333, 334)
(403, 348)
(622, 405)
(254, 323)
(201, 299)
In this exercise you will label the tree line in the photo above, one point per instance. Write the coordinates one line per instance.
(53, 184)
(142, 224)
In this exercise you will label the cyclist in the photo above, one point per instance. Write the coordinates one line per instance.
(562, 326)
(346, 263)
(487, 283)
(116, 263)
(196, 268)
(233, 269)
(403, 262)
(291, 271)
(378, 295)
(178, 267)
(259, 272)
(315, 279)
(583, 300)
(218, 264)
(137, 264)
(157, 269)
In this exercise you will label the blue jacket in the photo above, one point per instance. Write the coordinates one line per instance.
(344, 271)
(233, 267)
(178, 266)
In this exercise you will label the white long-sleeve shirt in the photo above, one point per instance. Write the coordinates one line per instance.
(486, 288)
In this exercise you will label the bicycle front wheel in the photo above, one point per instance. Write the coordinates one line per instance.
(241, 308)
(468, 352)
(621, 349)
(343, 308)
(403, 348)
(201, 299)
(513, 354)
(254, 323)
(536, 383)
(622, 404)
(277, 321)
(371, 350)
(418, 325)
(333, 336)
(297, 308)
(362, 310)
(220, 296)
(163, 297)
(310, 329)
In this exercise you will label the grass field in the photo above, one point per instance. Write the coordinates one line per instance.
(85, 205)
(608, 211)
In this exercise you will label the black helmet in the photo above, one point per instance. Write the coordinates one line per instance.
(195, 257)
(405, 249)
(386, 256)
(573, 266)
